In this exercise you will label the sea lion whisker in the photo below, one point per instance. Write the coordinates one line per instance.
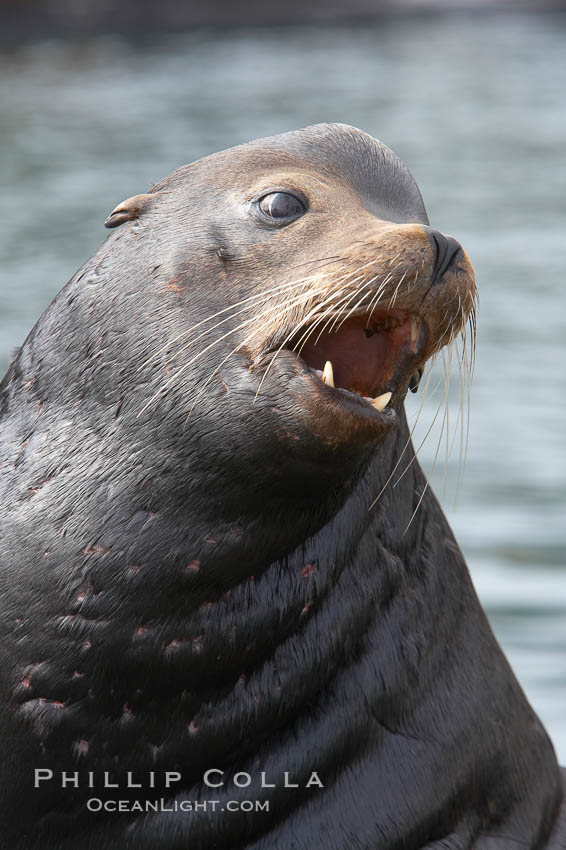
(326, 314)
(226, 358)
(419, 503)
(408, 441)
(240, 345)
(270, 311)
(428, 431)
(403, 276)
(292, 334)
(325, 320)
(445, 327)
(203, 351)
(336, 293)
(341, 319)
(331, 315)
(258, 300)
(473, 331)
(445, 380)
(318, 261)
(424, 394)
(394, 296)
(251, 300)
(376, 298)
(217, 369)
(465, 402)
(332, 296)
(444, 422)
(330, 299)
(447, 356)
(463, 420)
(461, 426)
(329, 304)
(446, 368)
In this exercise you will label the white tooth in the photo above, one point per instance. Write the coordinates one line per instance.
(328, 374)
(414, 328)
(381, 401)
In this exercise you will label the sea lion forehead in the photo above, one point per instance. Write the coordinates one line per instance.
(325, 153)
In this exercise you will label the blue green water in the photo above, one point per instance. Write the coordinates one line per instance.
(476, 106)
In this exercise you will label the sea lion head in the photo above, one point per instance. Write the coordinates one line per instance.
(284, 255)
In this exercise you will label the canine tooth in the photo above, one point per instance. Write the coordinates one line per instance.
(414, 328)
(328, 374)
(381, 401)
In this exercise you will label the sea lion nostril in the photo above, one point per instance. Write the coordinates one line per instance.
(446, 248)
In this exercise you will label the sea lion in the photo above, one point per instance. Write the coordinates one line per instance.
(208, 575)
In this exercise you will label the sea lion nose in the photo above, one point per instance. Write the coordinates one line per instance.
(446, 248)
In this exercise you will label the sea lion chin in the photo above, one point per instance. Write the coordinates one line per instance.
(209, 569)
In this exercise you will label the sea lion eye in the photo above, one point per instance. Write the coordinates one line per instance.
(281, 205)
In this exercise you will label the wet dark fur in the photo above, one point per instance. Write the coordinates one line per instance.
(181, 592)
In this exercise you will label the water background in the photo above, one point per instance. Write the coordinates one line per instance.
(476, 106)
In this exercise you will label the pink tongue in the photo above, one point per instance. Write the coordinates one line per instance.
(360, 363)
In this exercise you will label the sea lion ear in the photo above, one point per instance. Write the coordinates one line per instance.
(129, 209)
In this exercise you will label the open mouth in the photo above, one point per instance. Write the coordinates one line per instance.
(366, 358)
